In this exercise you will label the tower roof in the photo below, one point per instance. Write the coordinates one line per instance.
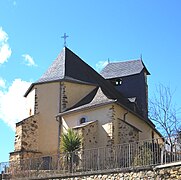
(122, 69)
(69, 67)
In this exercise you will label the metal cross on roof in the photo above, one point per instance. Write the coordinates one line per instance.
(64, 37)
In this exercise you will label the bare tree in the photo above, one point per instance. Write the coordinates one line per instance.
(163, 112)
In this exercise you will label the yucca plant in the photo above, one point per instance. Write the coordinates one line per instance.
(71, 141)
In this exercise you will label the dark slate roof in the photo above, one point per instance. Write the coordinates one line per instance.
(121, 69)
(94, 99)
(56, 71)
(68, 66)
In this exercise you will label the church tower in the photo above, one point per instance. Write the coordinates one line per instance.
(130, 79)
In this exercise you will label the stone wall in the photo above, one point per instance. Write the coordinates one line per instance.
(26, 137)
(36, 102)
(171, 172)
(89, 134)
(127, 133)
(20, 155)
(111, 124)
(63, 97)
(168, 171)
(71, 93)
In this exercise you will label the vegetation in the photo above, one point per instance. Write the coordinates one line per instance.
(71, 141)
(143, 155)
(164, 113)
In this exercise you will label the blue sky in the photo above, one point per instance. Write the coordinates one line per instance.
(30, 39)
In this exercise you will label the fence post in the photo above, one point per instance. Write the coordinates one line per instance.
(72, 162)
(98, 160)
(129, 155)
(162, 153)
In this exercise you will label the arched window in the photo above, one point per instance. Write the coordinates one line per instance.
(83, 120)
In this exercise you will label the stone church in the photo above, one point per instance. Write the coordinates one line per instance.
(107, 109)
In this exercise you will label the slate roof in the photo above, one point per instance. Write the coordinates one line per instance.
(96, 98)
(121, 69)
(68, 66)
(56, 71)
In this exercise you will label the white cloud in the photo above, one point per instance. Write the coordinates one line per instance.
(5, 53)
(13, 103)
(29, 60)
(3, 35)
(100, 65)
(2, 83)
(5, 50)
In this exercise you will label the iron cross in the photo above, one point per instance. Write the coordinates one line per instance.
(64, 37)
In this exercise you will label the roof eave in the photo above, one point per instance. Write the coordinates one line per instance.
(85, 108)
(144, 67)
(29, 90)
(58, 80)
(148, 121)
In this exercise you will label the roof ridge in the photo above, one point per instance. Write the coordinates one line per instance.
(124, 61)
(100, 94)
(123, 68)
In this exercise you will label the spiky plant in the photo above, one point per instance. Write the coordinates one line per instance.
(71, 141)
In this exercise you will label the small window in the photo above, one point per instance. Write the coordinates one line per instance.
(118, 82)
(46, 162)
(82, 120)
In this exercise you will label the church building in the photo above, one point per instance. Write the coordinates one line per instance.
(107, 109)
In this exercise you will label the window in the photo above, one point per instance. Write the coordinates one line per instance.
(118, 82)
(82, 120)
(46, 162)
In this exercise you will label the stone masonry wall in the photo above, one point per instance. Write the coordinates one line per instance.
(110, 132)
(18, 137)
(26, 137)
(89, 134)
(127, 133)
(63, 97)
(36, 102)
(172, 172)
